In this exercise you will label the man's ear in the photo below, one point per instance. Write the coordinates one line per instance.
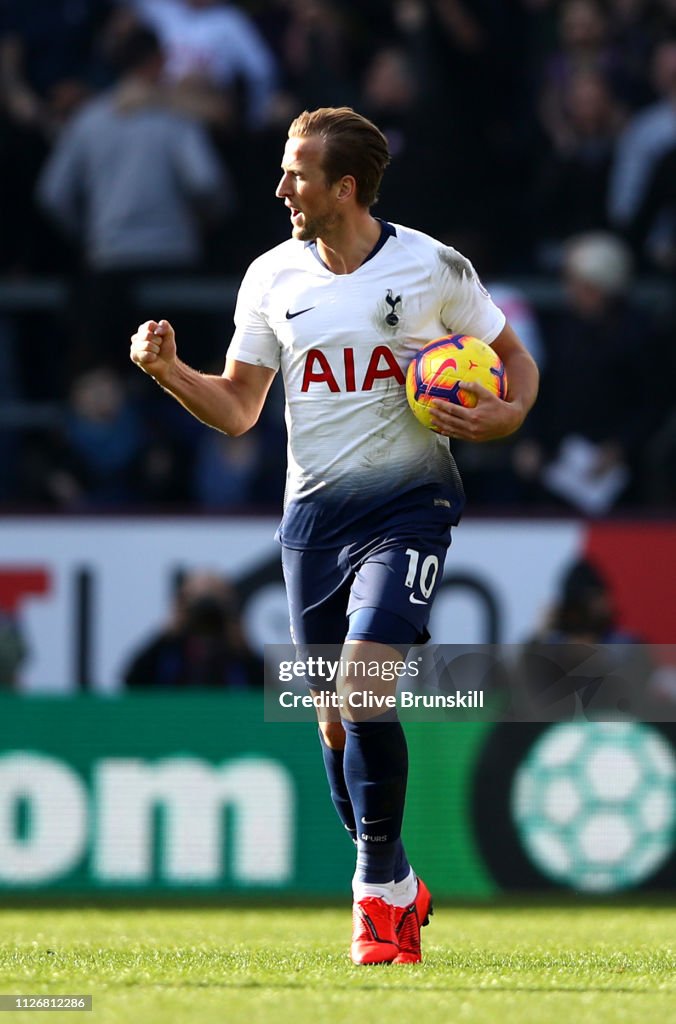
(347, 188)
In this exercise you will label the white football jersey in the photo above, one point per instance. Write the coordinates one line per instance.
(343, 343)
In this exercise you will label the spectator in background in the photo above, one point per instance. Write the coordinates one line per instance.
(572, 186)
(318, 47)
(91, 461)
(395, 95)
(218, 45)
(645, 139)
(47, 57)
(584, 611)
(108, 451)
(573, 662)
(49, 64)
(586, 439)
(583, 45)
(195, 97)
(130, 179)
(657, 208)
(316, 51)
(202, 645)
(224, 470)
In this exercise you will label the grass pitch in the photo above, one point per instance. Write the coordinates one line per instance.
(531, 965)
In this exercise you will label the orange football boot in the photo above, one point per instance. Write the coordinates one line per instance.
(373, 936)
(408, 922)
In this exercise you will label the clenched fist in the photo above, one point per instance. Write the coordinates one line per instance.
(153, 348)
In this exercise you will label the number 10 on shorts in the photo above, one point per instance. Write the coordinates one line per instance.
(428, 572)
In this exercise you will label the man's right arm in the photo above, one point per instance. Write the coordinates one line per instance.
(231, 403)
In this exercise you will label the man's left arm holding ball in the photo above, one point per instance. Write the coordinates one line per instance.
(492, 417)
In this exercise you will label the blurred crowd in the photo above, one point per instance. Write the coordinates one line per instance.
(141, 139)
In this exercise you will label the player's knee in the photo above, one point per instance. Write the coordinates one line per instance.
(333, 734)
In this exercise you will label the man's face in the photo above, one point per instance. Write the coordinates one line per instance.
(305, 191)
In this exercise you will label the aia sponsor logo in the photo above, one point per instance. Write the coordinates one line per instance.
(381, 365)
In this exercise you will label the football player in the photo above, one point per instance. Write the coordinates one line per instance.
(340, 309)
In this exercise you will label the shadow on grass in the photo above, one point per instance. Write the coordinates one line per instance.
(349, 986)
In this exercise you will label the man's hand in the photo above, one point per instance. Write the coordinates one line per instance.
(490, 419)
(153, 348)
(231, 402)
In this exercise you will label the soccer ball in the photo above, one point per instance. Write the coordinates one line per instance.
(595, 805)
(439, 367)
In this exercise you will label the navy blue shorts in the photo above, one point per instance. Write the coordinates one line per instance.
(381, 590)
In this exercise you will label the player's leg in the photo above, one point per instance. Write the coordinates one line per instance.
(332, 742)
(333, 738)
(376, 769)
(317, 586)
(383, 620)
(375, 760)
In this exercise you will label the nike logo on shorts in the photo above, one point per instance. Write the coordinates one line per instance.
(290, 315)
(415, 600)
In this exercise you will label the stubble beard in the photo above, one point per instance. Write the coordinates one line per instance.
(314, 228)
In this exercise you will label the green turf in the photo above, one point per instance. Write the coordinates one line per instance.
(606, 965)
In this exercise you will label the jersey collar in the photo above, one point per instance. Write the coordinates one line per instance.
(387, 230)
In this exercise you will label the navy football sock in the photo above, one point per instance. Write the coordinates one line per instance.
(333, 763)
(375, 766)
(401, 864)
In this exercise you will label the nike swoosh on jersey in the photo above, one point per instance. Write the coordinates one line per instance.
(290, 315)
(415, 600)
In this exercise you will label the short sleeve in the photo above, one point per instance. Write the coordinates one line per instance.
(253, 341)
(467, 308)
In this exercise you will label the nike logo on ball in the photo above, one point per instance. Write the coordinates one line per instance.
(290, 315)
(415, 600)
